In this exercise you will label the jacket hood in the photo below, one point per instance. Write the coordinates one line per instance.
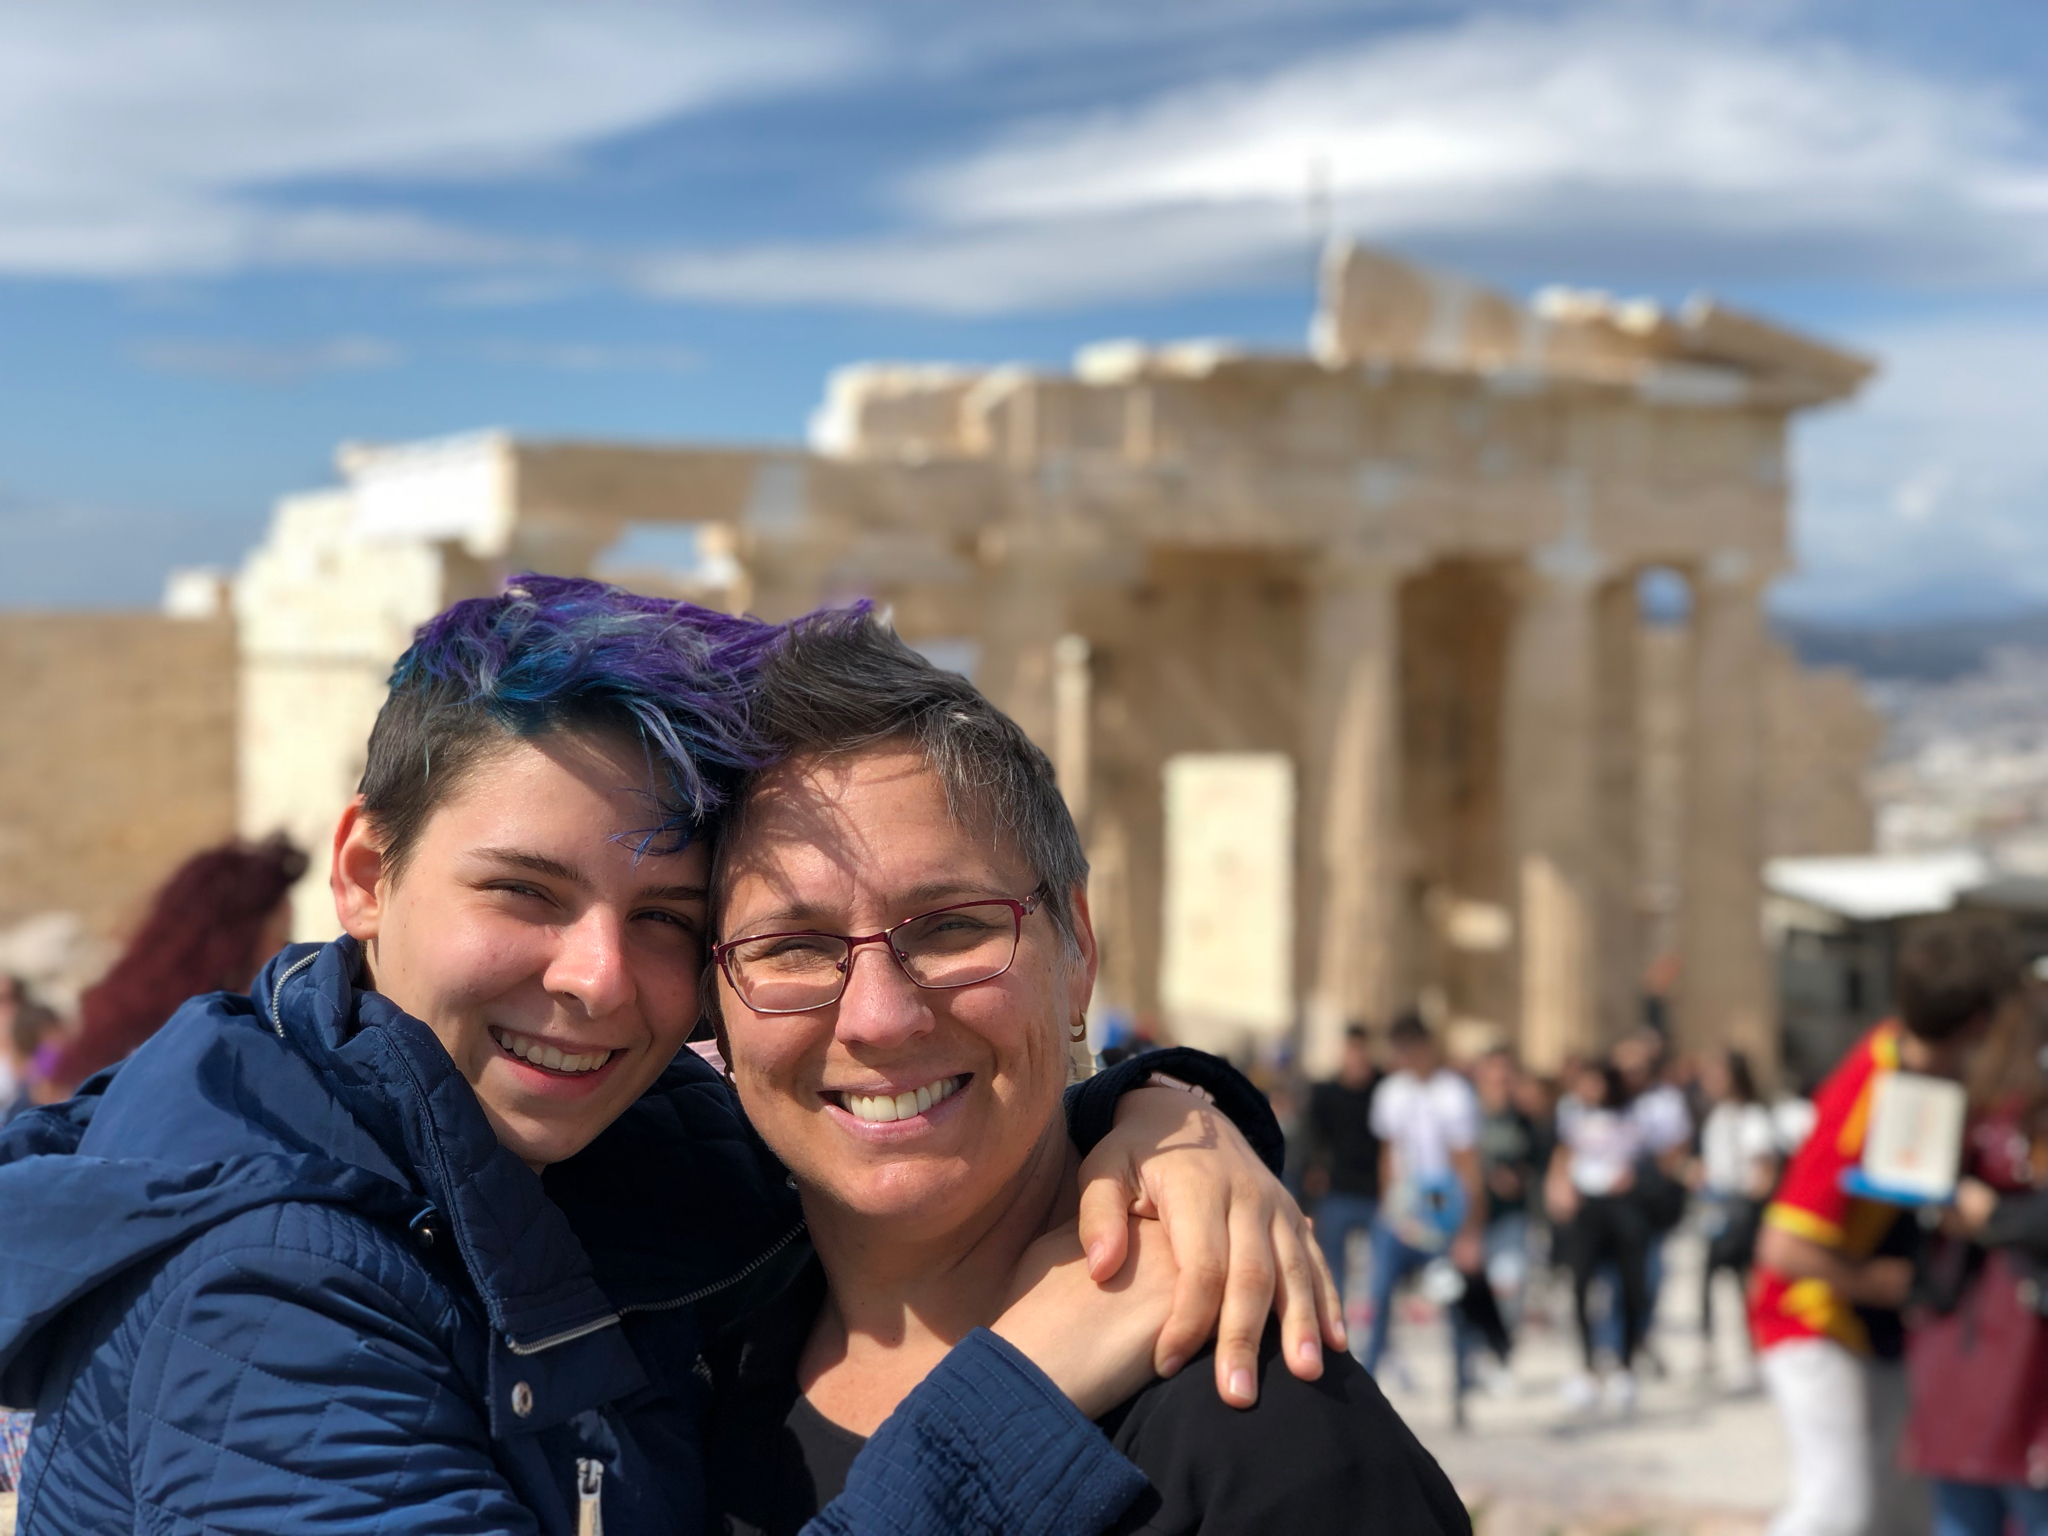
(314, 1089)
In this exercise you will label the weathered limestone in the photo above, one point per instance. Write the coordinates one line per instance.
(1352, 792)
(1618, 866)
(1821, 737)
(1406, 560)
(1553, 720)
(324, 607)
(1725, 991)
(117, 759)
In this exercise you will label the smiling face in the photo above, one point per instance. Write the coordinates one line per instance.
(559, 970)
(854, 845)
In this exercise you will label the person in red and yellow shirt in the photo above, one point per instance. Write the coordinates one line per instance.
(1827, 1274)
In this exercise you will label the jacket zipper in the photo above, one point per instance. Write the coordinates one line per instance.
(277, 992)
(727, 1283)
(589, 1496)
(566, 1336)
(611, 1319)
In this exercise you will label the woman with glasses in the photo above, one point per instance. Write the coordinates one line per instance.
(904, 956)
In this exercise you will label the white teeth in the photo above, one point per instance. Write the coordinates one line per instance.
(552, 1058)
(883, 1108)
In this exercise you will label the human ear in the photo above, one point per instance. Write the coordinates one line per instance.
(1083, 979)
(356, 876)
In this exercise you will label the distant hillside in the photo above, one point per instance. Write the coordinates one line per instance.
(1924, 653)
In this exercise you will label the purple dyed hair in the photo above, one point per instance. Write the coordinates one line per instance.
(560, 653)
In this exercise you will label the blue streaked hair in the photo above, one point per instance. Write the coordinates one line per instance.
(558, 653)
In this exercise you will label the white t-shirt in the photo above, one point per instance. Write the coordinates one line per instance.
(1425, 1120)
(1793, 1119)
(1665, 1121)
(1604, 1143)
(1733, 1139)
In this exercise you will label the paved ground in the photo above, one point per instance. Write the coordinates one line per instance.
(1695, 1454)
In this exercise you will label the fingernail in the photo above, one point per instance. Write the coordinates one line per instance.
(1172, 1364)
(1241, 1384)
(1309, 1349)
(1094, 1255)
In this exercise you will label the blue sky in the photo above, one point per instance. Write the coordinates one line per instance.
(233, 235)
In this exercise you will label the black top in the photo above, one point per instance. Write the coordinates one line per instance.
(1341, 1139)
(2019, 1220)
(1510, 1161)
(1318, 1457)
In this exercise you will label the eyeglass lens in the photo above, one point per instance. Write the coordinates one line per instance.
(792, 972)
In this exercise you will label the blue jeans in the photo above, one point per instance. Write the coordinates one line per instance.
(1607, 1328)
(1982, 1509)
(1338, 1215)
(1507, 1263)
(1392, 1262)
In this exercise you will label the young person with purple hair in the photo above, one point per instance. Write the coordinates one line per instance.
(428, 1233)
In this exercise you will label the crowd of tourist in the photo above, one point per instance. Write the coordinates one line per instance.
(1474, 1175)
(1902, 1341)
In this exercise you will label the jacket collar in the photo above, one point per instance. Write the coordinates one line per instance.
(676, 1204)
(533, 1277)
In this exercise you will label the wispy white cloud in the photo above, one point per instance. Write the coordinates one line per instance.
(245, 362)
(1674, 142)
(142, 140)
(1641, 137)
(1038, 264)
(594, 357)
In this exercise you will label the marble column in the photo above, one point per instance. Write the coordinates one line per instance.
(1724, 993)
(1349, 941)
(1023, 617)
(1617, 795)
(1072, 698)
(1552, 713)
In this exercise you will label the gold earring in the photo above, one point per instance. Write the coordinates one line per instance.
(1078, 1030)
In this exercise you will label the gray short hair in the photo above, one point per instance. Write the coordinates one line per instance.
(843, 682)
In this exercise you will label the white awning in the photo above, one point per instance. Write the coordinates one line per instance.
(1874, 887)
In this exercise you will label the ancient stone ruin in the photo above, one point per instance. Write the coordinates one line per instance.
(1348, 638)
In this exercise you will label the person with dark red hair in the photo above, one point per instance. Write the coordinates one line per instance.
(214, 922)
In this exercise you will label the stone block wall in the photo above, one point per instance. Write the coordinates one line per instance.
(1824, 734)
(324, 611)
(117, 758)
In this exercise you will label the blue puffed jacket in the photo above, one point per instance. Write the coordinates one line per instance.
(277, 1275)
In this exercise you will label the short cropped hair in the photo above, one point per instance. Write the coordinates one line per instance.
(1952, 972)
(1408, 1030)
(842, 682)
(565, 654)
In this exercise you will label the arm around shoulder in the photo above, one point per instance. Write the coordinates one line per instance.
(278, 1389)
(1091, 1105)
